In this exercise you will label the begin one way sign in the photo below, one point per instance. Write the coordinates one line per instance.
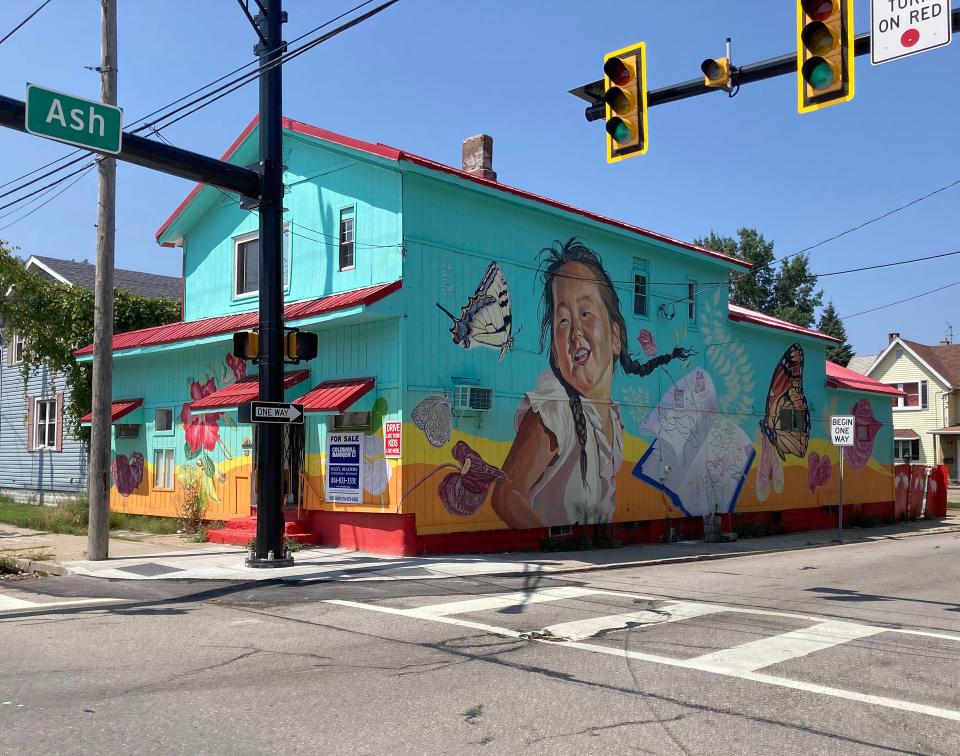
(899, 28)
(841, 430)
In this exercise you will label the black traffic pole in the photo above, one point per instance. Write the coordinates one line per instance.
(268, 474)
(782, 65)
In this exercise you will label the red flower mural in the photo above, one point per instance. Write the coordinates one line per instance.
(464, 491)
(238, 366)
(819, 470)
(647, 343)
(199, 390)
(200, 430)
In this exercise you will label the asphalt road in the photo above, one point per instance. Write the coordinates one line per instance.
(852, 649)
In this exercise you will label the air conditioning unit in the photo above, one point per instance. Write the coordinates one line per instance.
(472, 399)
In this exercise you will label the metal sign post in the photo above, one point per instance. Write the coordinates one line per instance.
(842, 433)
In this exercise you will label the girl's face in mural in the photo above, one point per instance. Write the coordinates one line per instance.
(586, 342)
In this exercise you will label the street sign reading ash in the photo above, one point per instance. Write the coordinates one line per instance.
(74, 120)
(899, 28)
(271, 412)
(842, 430)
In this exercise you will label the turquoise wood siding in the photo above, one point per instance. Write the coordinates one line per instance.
(321, 182)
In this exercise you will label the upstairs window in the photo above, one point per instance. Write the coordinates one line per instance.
(692, 301)
(45, 424)
(163, 420)
(246, 253)
(346, 257)
(16, 349)
(916, 395)
(641, 304)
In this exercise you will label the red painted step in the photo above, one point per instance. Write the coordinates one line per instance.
(241, 530)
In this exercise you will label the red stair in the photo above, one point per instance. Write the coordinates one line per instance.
(241, 530)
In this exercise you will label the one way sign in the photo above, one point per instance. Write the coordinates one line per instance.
(271, 412)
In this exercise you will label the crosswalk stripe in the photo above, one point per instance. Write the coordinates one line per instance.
(504, 601)
(12, 604)
(749, 657)
(9, 602)
(668, 612)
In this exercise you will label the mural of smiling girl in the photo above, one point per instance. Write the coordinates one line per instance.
(562, 465)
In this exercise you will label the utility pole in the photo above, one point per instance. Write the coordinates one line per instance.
(268, 473)
(98, 471)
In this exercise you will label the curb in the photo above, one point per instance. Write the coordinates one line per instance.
(41, 568)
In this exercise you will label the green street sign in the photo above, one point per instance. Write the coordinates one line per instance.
(85, 123)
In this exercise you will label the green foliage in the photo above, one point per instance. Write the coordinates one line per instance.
(191, 506)
(55, 319)
(71, 516)
(831, 325)
(788, 292)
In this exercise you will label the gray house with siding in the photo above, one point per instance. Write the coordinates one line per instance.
(40, 459)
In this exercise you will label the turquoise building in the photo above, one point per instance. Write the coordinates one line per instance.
(509, 367)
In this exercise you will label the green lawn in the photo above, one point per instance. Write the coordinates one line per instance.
(953, 505)
(70, 516)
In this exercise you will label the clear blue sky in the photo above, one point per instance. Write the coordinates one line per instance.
(427, 73)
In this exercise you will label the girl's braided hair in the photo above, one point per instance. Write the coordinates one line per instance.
(552, 260)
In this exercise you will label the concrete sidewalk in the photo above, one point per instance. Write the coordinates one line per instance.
(145, 557)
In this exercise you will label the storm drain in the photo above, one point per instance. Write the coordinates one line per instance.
(149, 569)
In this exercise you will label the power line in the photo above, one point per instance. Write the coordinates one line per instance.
(23, 23)
(885, 265)
(901, 301)
(48, 200)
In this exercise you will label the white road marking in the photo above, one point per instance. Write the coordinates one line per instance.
(749, 657)
(12, 604)
(738, 662)
(504, 601)
(674, 611)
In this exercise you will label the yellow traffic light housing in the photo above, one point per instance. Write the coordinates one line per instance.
(824, 53)
(625, 102)
(299, 346)
(246, 345)
(716, 72)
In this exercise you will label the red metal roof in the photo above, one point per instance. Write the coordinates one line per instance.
(742, 314)
(335, 396)
(905, 434)
(391, 153)
(118, 409)
(198, 329)
(244, 390)
(840, 377)
(950, 430)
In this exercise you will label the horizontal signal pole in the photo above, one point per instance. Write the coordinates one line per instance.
(766, 69)
(160, 157)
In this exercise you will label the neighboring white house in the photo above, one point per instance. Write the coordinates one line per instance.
(926, 420)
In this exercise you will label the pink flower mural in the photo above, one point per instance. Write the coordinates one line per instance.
(646, 342)
(819, 470)
(865, 428)
(238, 366)
(464, 491)
(201, 431)
(127, 473)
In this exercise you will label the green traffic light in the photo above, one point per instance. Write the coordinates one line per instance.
(620, 130)
(818, 73)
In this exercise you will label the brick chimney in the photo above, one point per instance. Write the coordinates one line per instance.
(478, 156)
(892, 336)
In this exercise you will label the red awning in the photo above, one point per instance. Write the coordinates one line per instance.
(905, 434)
(244, 390)
(335, 396)
(118, 409)
(845, 378)
(950, 430)
(223, 324)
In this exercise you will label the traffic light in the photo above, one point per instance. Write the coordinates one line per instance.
(625, 98)
(246, 344)
(716, 72)
(300, 346)
(824, 53)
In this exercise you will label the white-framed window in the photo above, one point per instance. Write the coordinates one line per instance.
(916, 395)
(692, 302)
(347, 258)
(45, 424)
(16, 349)
(246, 263)
(906, 448)
(163, 469)
(163, 420)
(641, 282)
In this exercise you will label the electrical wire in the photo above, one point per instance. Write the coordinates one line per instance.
(23, 23)
(901, 301)
(49, 200)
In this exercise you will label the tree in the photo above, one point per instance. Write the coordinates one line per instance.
(788, 292)
(54, 319)
(831, 325)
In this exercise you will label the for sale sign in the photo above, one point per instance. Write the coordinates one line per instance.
(345, 468)
(841, 430)
(899, 28)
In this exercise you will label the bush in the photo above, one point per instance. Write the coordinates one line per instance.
(191, 504)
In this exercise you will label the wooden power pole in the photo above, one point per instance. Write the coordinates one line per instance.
(98, 475)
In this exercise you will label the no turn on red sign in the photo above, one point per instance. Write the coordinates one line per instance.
(899, 28)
